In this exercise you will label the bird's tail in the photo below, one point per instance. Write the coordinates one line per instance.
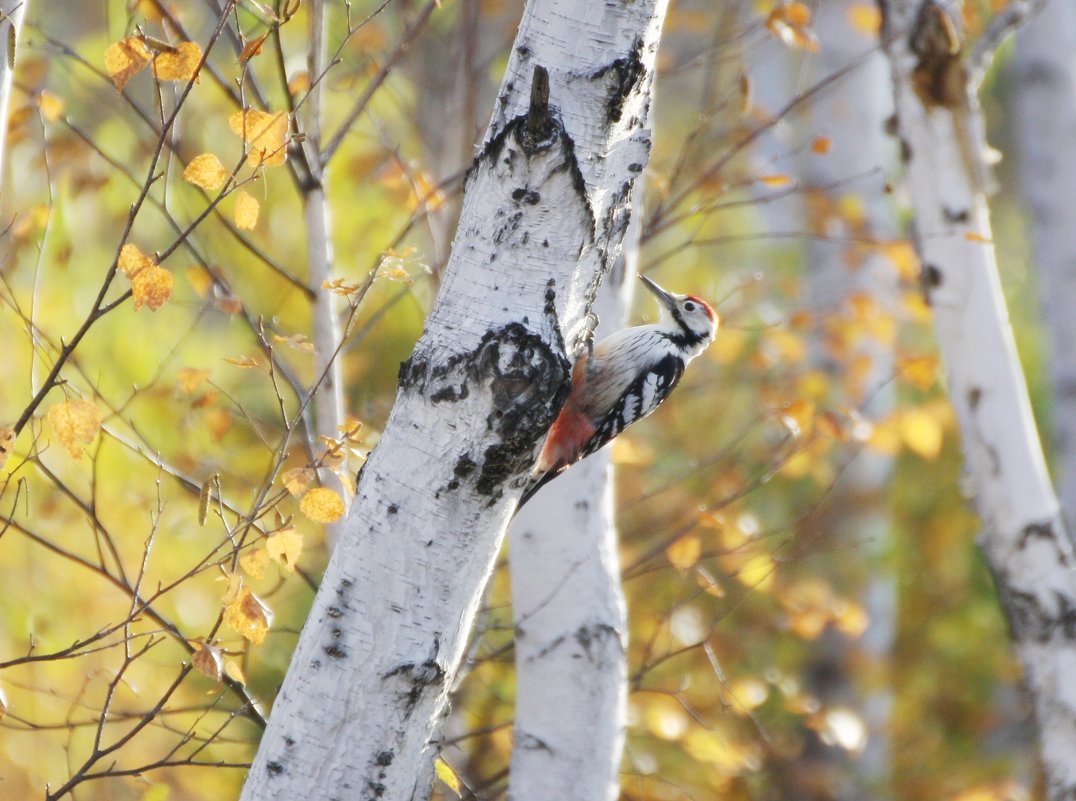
(536, 484)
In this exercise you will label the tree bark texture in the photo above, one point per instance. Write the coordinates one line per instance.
(1024, 538)
(1045, 114)
(545, 209)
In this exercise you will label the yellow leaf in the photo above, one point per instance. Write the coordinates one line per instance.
(684, 552)
(748, 693)
(264, 134)
(923, 432)
(132, 260)
(233, 670)
(75, 423)
(246, 211)
(254, 562)
(299, 83)
(284, 547)
(206, 171)
(125, 58)
(322, 505)
(774, 180)
(973, 236)
(920, 371)
(249, 616)
(297, 480)
(338, 286)
(7, 443)
(243, 361)
(188, 379)
(52, 107)
(219, 422)
(199, 279)
(850, 618)
(207, 660)
(865, 18)
(151, 286)
(447, 775)
(178, 64)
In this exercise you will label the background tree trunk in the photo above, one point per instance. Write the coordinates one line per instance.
(569, 613)
(544, 213)
(1024, 539)
(11, 15)
(1045, 114)
(851, 115)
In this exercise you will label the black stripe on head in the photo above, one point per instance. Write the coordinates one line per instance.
(688, 338)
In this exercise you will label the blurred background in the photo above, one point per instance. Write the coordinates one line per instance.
(809, 616)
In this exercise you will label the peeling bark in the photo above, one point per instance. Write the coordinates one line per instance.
(545, 206)
(1024, 538)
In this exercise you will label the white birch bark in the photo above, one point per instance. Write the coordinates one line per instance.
(1045, 113)
(851, 113)
(569, 614)
(360, 711)
(325, 325)
(1024, 538)
(11, 15)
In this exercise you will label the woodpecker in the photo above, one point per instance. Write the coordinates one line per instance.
(623, 379)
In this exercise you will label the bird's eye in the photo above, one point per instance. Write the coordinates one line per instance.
(689, 306)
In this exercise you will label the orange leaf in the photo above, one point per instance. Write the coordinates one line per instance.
(684, 553)
(246, 211)
(865, 18)
(52, 107)
(821, 145)
(152, 287)
(188, 379)
(254, 562)
(178, 64)
(284, 547)
(774, 180)
(207, 660)
(249, 616)
(132, 260)
(206, 171)
(252, 48)
(297, 480)
(264, 134)
(322, 505)
(125, 58)
(75, 423)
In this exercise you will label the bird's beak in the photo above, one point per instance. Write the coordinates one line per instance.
(667, 299)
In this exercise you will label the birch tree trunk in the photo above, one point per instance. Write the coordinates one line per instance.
(569, 613)
(545, 208)
(11, 15)
(1045, 112)
(1024, 539)
(851, 114)
(329, 401)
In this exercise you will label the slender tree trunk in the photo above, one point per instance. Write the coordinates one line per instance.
(1024, 539)
(570, 617)
(544, 213)
(11, 15)
(851, 115)
(329, 402)
(1045, 112)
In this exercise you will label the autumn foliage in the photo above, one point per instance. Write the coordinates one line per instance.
(164, 495)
